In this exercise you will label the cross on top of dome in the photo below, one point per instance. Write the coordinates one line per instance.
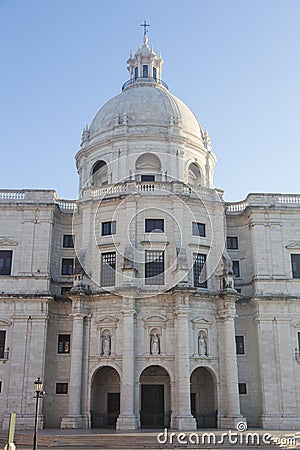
(145, 25)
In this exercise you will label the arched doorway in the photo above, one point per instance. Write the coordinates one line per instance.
(99, 173)
(203, 403)
(194, 175)
(155, 398)
(105, 398)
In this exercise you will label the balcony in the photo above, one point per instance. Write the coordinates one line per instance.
(144, 80)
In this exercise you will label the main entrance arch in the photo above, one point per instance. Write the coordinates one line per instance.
(155, 398)
(203, 398)
(105, 398)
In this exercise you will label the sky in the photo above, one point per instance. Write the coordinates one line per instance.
(235, 63)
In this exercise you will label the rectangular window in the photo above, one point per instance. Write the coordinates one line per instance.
(136, 72)
(154, 267)
(108, 269)
(145, 71)
(67, 266)
(61, 388)
(242, 388)
(2, 343)
(232, 243)
(199, 270)
(240, 346)
(198, 229)
(154, 73)
(298, 341)
(147, 178)
(5, 262)
(0, 387)
(236, 268)
(108, 228)
(68, 240)
(64, 343)
(295, 258)
(64, 290)
(154, 225)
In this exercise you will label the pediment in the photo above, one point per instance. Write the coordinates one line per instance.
(5, 323)
(202, 321)
(294, 244)
(5, 242)
(156, 318)
(106, 320)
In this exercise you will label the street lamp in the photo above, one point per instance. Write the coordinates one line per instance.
(39, 393)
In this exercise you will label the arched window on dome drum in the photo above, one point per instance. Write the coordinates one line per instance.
(148, 167)
(194, 175)
(99, 173)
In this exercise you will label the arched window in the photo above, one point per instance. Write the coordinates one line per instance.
(147, 167)
(194, 175)
(99, 173)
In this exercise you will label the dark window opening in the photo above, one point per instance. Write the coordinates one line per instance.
(296, 265)
(145, 71)
(154, 225)
(154, 73)
(232, 243)
(136, 72)
(61, 388)
(240, 346)
(236, 268)
(0, 387)
(68, 241)
(108, 269)
(154, 267)
(242, 388)
(198, 229)
(199, 270)
(2, 343)
(147, 178)
(67, 266)
(64, 343)
(5, 262)
(98, 165)
(108, 228)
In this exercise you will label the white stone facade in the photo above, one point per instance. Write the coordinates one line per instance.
(126, 338)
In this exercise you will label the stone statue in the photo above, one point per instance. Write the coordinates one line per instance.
(106, 344)
(128, 257)
(182, 260)
(154, 344)
(202, 348)
(227, 271)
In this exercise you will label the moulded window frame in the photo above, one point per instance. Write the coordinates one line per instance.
(11, 261)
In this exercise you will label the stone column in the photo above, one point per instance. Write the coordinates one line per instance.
(75, 419)
(182, 419)
(229, 413)
(127, 419)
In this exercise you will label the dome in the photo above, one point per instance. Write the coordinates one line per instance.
(142, 105)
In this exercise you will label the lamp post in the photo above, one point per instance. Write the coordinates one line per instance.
(39, 393)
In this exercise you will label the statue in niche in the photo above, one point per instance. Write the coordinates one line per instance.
(154, 344)
(202, 347)
(106, 344)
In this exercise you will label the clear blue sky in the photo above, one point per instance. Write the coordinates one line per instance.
(235, 63)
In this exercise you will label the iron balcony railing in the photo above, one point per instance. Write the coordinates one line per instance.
(144, 80)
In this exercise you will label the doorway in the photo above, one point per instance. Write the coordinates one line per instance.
(155, 398)
(203, 405)
(105, 398)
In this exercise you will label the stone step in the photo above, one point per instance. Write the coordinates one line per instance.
(143, 440)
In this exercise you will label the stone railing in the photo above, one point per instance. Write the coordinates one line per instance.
(37, 196)
(264, 200)
(159, 187)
